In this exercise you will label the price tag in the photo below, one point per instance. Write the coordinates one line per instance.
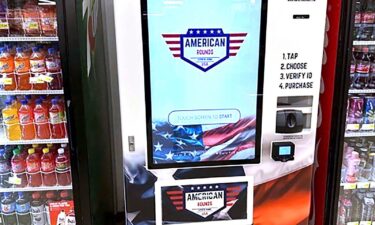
(363, 185)
(4, 26)
(15, 180)
(36, 80)
(6, 81)
(352, 223)
(365, 223)
(46, 78)
(32, 25)
(368, 127)
(352, 126)
(350, 186)
(372, 185)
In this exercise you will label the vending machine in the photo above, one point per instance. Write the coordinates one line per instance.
(218, 104)
(350, 181)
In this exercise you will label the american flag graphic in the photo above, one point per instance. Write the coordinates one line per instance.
(174, 40)
(199, 143)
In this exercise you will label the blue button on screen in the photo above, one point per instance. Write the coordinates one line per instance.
(285, 150)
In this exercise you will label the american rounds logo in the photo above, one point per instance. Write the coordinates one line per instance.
(204, 48)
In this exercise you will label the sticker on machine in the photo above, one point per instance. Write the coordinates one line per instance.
(204, 48)
(218, 201)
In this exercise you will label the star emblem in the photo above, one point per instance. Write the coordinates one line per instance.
(195, 153)
(194, 136)
(154, 127)
(205, 31)
(212, 31)
(167, 135)
(198, 31)
(191, 32)
(180, 143)
(169, 156)
(219, 31)
(158, 147)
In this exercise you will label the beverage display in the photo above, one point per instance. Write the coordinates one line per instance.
(35, 170)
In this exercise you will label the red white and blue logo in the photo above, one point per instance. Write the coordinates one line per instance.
(204, 48)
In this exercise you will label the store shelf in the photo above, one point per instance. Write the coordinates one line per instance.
(362, 91)
(361, 223)
(29, 39)
(33, 92)
(53, 188)
(359, 134)
(358, 185)
(35, 141)
(363, 42)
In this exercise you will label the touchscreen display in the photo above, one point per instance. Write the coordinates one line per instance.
(203, 81)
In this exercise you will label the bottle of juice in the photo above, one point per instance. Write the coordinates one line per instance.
(41, 121)
(63, 169)
(56, 115)
(50, 197)
(16, 18)
(31, 18)
(11, 121)
(4, 170)
(15, 103)
(8, 208)
(22, 65)
(54, 70)
(48, 168)
(37, 210)
(23, 209)
(25, 114)
(7, 69)
(53, 149)
(34, 165)
(48, 20)
(19, 167)
(38, 67)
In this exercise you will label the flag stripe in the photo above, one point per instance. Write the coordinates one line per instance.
(236, 41)
(238, 35)
(171, 35)
(173, 42)
(175, 49)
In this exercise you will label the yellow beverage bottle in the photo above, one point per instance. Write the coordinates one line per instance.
(11, 121)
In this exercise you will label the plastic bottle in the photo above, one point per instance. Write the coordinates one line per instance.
(56, 115)
(24, 150)
(37, 210)
(48, 20)
(31, 18)
(54, 70)
(23, 209)
(22, 68)
(53, 149)
(34, 165)
(352, 171)
(41, 121)
(15, 102)
(11, 121)
(25, 114)
(19, 167)
(8, 208)
(63, 169)
(38, 68)
(367, 207)
(358, 11)
(38, 149)
(16, 18)
(362, 73)
(48, 168)
(4, 170)
(67, 151)
(9, 151)
(50, 197)
(7, 69)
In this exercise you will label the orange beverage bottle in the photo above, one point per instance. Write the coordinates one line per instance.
(48, 20)
(33, 163)
(41, 121)
(31, 18)
(56, 116)
(38, 67)
(10, 118)
(48, 168)
(22, 65)
(25, 114)
(30, 101)
(7, 68)
(15, 102)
